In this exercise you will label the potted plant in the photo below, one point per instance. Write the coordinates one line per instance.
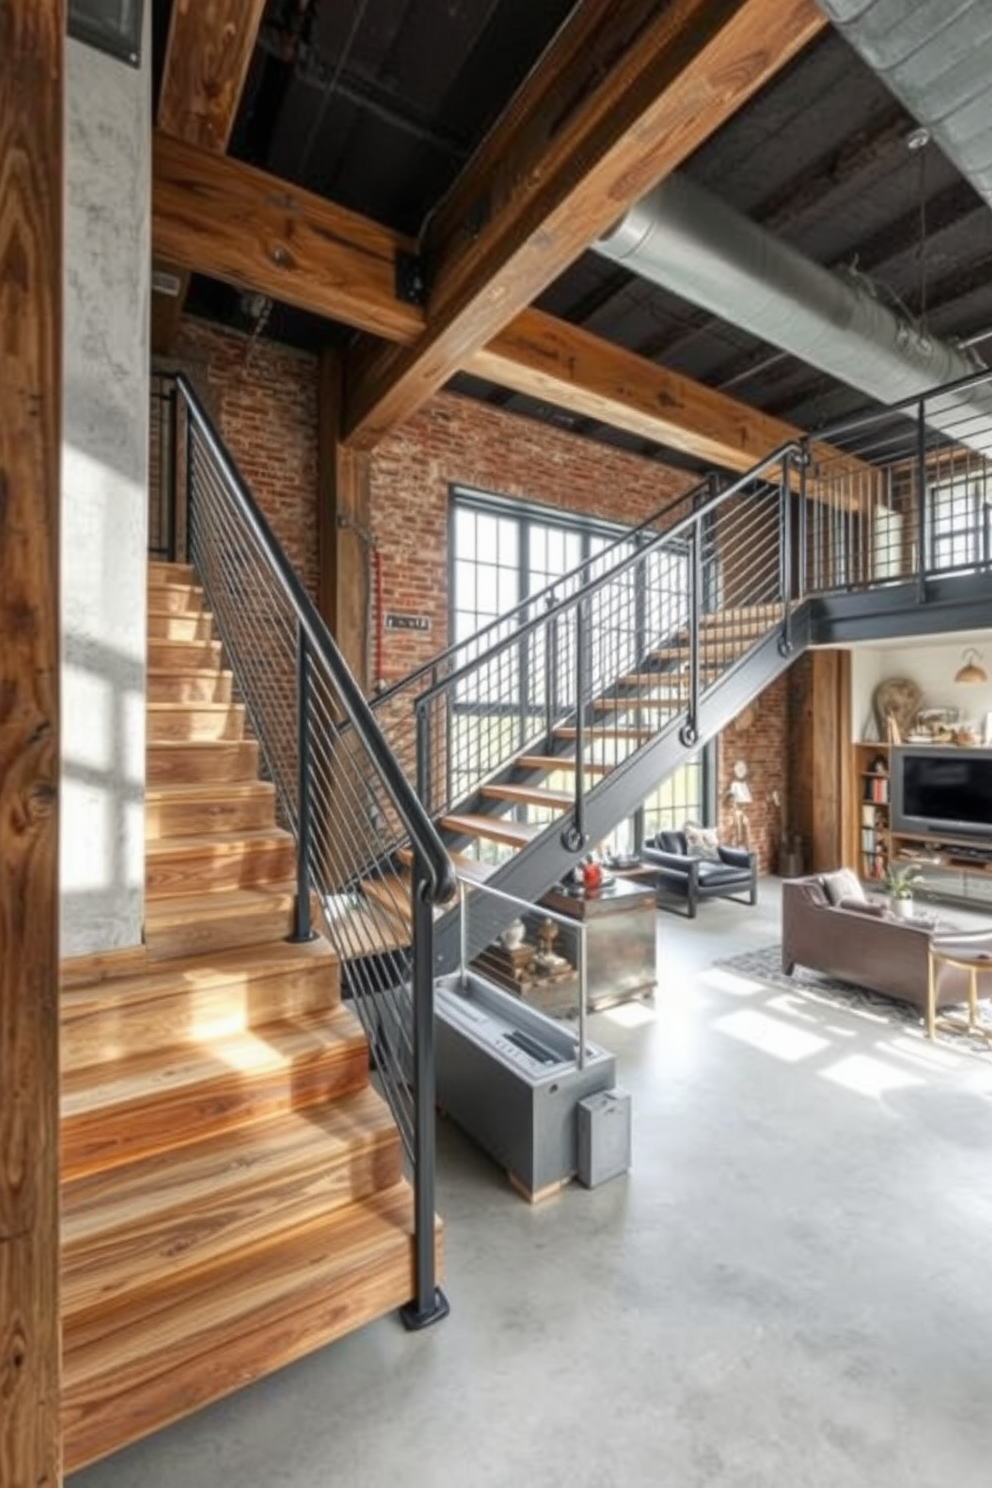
(898, 884)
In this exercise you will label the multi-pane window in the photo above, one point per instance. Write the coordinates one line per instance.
(500, 555)
(960, 524)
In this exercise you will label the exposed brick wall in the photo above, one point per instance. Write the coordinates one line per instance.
(263, 398)
(759, 738)
(458, 440)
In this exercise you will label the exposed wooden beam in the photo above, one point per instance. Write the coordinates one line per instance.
(600, 124)
(238, 224)
(31, 84)
(561, 364)
(206, 63)
(343, 526)
(249, 229)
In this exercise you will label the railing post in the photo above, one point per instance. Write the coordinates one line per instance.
(922, 534)
(423, 747)
(574, 837)
(785, 553)
(168, 477)
(429, 1304)
(689, 732)
(802, 556)
(550, 674)
(302, 927)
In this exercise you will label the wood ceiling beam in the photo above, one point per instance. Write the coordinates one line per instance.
(618, 102)
(246, 228)
(207, 57)
(220, 217)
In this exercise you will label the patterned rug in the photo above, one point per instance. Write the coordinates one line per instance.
(765, 965)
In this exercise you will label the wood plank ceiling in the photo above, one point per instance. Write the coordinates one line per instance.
(488, 142)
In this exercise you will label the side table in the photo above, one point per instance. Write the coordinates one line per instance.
(970, 953)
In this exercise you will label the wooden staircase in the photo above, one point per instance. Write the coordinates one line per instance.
(233, 1194)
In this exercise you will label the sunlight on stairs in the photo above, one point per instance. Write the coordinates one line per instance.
(233, 1190)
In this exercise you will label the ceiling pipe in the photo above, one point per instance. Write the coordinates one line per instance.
(935, 56)
(684, 239)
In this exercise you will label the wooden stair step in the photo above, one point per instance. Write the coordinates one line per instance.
(149, 1102)
(162, 571)
(169, 626)
(606, 733)
(672, 704)
(218, 862)
(189, 1001)
(757, 613)
(552, 762)
(196, 722)
(231, 1190)
(164, 1351)
(471, 869)
(530, 795)
(390, 893)
(194, 761)
(183, 810)
(183, 656)
(193, 925)
(175, 599)
(496, 828)
(198, 685)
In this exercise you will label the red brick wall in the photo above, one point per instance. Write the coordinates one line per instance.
(758, 737)
(263, 398)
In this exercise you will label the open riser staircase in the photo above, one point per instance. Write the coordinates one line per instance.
(233, 1186)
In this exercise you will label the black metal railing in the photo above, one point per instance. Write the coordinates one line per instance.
(626, 644)
(340, 789)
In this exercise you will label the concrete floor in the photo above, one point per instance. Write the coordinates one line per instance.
(790, 1288)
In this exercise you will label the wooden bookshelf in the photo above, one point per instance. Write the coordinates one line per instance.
(871, 832)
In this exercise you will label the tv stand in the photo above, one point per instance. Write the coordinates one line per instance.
(952, 869)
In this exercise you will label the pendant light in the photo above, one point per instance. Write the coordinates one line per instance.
(971, 672)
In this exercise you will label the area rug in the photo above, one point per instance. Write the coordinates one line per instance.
(765, 965)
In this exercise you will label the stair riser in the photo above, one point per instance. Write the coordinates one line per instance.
(213, 687)
(175, 599)
(250, 867)
(161, 572)
(216, 762)
(193, 1017)
(167, 819)
(103, 1137)
(180, 627)
(103, 1412)
(184, 656)
(195, 724)
(166, 938)
(99, 1268)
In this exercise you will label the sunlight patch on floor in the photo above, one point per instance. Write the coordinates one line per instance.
(771, 1035)
(868, 1076)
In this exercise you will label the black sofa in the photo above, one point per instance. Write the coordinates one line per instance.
(682, 876)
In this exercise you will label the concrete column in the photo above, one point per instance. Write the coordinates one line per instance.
(104, 496)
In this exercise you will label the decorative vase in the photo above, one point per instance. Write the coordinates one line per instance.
(513, 935)
(903, 908)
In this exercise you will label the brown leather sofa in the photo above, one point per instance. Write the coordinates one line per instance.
(861, 944)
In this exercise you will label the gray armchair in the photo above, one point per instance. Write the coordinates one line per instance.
(682, 876)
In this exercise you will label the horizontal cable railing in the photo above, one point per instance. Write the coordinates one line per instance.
(340, 789)
(630, 649)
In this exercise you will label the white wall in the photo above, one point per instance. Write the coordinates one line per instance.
(104, 496)
(931, 667)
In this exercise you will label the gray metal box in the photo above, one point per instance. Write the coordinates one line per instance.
(603, 1136)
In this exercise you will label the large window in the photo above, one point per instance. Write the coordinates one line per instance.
(501, 553)
(960, 514)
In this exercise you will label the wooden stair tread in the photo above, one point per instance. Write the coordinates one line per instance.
(213, 970)
(471, 869)
(606, 733)
(360, 931)
(391, 893)
(217, 844)
(242, 1055)
(470, 824)
(155, 1356)
(195, 790)
(191, 907)
(630, 704)
(551, 762)
(176, 924)
(529, 795)
(189, 1205)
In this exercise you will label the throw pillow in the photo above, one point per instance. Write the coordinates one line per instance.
(702, 842)
(864, 907)
(842, 884)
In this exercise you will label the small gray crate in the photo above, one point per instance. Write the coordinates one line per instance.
(603, 1136)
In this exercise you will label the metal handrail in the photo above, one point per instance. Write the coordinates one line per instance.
(423, 833)
(341, 792)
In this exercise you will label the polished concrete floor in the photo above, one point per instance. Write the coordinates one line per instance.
(791, 1287)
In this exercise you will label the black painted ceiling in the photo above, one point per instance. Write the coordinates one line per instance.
(377, 104)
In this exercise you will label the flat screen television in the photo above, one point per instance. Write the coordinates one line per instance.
(941, 791)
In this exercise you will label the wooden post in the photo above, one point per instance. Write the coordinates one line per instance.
(343, 517)
(31, 79)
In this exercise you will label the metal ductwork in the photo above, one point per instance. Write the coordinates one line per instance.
(684, 239)
(935, 56)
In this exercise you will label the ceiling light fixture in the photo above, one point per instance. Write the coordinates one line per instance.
(971, 673)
